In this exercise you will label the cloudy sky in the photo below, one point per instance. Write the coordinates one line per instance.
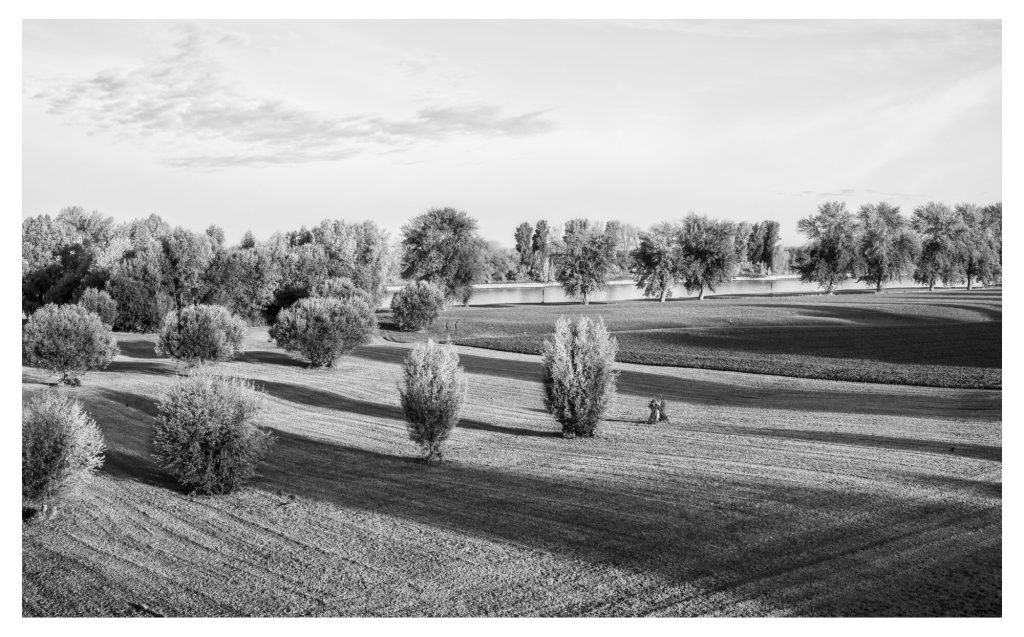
(271, 125)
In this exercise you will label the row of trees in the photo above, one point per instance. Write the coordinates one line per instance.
(878, 245)
(149, 268)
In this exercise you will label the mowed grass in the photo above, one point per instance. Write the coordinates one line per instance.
(947, 338)
(763, 496)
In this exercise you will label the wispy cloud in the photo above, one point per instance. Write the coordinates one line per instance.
(184, 100)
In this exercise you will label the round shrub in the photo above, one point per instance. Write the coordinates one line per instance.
(200, 334)
(432, 393)
(341, 288)
(322, 329)
(417, 305)
(60, 446)
(579, 374)
(101, 303)
(68, 340)
(206, 433)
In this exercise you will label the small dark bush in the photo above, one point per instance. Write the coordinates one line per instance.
(101, 303)
(322, 329)
(200, 334)
(206, 434)
(434, 388)
(60, 446)
(417, 305)
(68, 340)
(579, 374)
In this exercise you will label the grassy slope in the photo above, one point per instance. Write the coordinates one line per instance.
(764, 496)
(950, 338)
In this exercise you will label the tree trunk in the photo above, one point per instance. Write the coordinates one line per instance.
(969, 282)
(700, 297)
(878, 286)
(931, 286)
(664, 293)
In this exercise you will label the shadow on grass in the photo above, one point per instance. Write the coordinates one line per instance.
(716, 535)
(981, 452)
(313, 397)
(739, 393)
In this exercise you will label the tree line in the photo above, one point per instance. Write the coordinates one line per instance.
(150, 268)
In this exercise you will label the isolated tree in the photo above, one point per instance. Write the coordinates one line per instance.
(583, 264)
(655, 264)
(887, 247)
(60, 447)
(432, 393)
(979, 250)
(201, 334)
(323, 329)
(442, 246)
(579, 374)
(707, 254)
(417, 305)
(208, 435)
(832, 251)
(68, 340)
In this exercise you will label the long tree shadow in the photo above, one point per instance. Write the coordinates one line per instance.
(268, 357)
(981, 452)
(669, 532)
(313, 397)
(736, 394)
(715, 535)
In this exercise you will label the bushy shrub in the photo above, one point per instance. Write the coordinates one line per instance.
(417, 305)
(342, 288)
(68, 340)
(101, 303)
(200, 334)
(433, 390)
(322, 329)
(579, 374)
(60, 446)
(207, 436)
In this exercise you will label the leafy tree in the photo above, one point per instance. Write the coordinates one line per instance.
(207, 434)
(417, 305)
(68, 340)
(579, 374)
(742, 236)
(201, 334)
(707, 253)
(253, 277)
(137, 285)
(541, 244)
(770, 230)
(341, 288)
(655, 261)
(187, 259)
(980, 252)
(832, 252)
(584, 262)
(60, 447)
(324, 329)
(886, 246)
(524, 243)
(939, 228)
(101, 304)
(432, 393)
(442, 246)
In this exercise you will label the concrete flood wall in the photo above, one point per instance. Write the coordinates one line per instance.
(626, 290)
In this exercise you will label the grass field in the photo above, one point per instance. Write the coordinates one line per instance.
(948, 338)
(765, 495)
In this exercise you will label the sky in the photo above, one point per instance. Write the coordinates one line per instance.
(270, 125)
